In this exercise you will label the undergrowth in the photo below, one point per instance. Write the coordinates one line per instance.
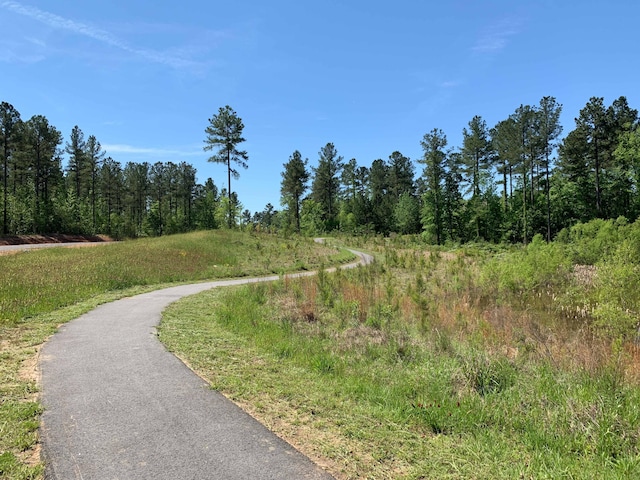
(480, 362)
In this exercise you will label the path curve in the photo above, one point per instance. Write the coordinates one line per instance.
(118, 405)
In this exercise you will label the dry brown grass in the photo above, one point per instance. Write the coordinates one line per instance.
(451, 303)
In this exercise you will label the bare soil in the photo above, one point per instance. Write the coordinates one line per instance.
(52, 238)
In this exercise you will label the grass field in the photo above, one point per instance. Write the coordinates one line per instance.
(40, 290)
(429, 364)
(475, 362)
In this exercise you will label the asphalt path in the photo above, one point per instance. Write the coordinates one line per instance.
(118, 405)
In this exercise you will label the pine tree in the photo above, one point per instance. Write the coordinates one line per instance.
(476, 157)
(400, 175)
(504, 139)
(326, 183)
(224, 133)
(294, 183)
(41, 149)
(525, 121)
(592, 123)
(348, 179)
(453, 202)
(76, 148)
(627, 155)
(618, 190)
(476, 152)
(433, 145)
(186, 191)
(110, 189)
(550, 129)
(136, 185)
(93, 158)
(380, 200)
(9, 128)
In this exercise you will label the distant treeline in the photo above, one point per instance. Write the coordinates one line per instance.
(91, 193)
(505, 183)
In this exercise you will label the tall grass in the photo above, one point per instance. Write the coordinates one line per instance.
(41, 281)
(429, 364)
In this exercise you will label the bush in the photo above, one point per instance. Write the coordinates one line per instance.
(537, 266)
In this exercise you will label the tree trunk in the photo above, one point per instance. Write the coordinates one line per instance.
(5, 227)
(548, 202)
(229, 180)
(597, 166)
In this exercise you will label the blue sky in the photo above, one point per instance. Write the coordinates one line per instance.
(370, 76)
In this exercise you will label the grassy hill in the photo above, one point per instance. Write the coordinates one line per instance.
(42, 289)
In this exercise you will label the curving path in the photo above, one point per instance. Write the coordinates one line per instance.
(118, 405)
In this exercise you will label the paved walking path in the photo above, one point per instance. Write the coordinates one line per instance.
(118, 405)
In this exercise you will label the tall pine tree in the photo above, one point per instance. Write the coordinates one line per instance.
(294, 183)
(9, 129)
(434, 157)
(326, 184)
(224, 134)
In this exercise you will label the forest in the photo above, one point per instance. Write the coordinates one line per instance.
(505, 183)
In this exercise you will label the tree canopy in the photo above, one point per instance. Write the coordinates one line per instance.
(504, 183)
(224, 134)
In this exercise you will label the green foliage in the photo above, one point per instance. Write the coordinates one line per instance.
(431, 392)
(616, 298)
(433, 219)
(590, 242)
(406, 214)
(326, 184)
(311, 218)
(529, 270)
(227, 211)
(476, 153)
(488, 375)
(39, 196)
(224, 133)
(41, 281)
(460, 197)
(294, 183)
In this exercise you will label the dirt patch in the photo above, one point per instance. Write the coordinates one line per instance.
(29, 370)
(360, 337)
(51, 238)
(32, 456)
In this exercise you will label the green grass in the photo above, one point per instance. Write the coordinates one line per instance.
(40, 290)
(404, 370)
(428, 364)
(41, 281)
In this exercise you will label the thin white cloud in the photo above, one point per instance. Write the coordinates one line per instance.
(11, 54)
(451, 84)
(144, 151)
(95, 33)
(36, 41)
(496, 37)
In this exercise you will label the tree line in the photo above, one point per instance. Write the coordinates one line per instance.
(93, 193)
(508, 182)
